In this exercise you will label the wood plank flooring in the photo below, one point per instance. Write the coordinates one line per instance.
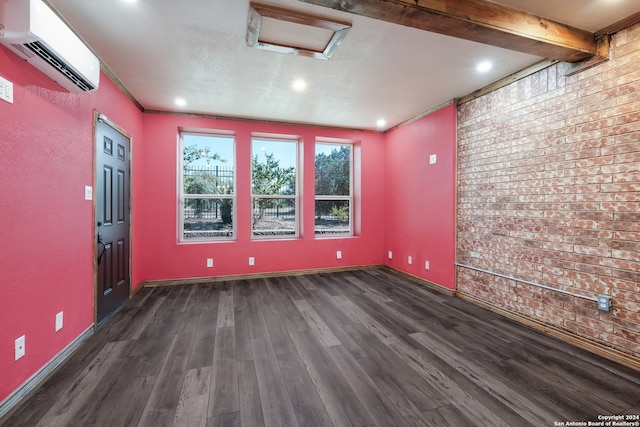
(361, 348)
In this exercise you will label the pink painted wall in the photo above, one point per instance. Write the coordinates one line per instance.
(420, 197)
(46, 226)
(47, 230)
(163, 258)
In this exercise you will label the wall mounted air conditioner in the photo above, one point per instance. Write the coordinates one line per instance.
(33, 31)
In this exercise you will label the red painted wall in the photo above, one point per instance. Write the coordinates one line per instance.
(46, 226)
(163, 258)
(47, 231)
(420, 197)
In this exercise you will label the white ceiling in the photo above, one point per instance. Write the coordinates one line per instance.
(196, 50)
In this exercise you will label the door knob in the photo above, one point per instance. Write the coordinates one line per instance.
(99, 223)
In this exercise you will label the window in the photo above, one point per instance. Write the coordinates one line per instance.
(334, 189)
(274, 182)
(207, 192)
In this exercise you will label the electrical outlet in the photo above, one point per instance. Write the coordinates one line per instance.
(88, 192)
(252, 261)
(433, 159)
(390, 255)
(410, 260)
(427, 265)
(338, 254)
(20, 349)
(604, 303)
(59, 320)
(209, 262)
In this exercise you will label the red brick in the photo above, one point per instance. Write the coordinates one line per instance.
(549, 191)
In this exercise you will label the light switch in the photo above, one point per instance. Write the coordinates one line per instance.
(6, 90)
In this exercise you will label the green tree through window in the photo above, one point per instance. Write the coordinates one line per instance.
(333, 188)
(207, 190)
(273, 188)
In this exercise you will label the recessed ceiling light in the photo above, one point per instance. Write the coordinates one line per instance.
(484, 66)
(381, 123)
(181, 102)
(299, 85)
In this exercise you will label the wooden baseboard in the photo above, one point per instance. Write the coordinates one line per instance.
(39, 377)
(210, 279)
(581, 342)
(135, 290)
(421, 281)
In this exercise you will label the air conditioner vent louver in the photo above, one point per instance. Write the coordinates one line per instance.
(44, 53)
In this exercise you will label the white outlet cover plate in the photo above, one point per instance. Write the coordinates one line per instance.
(252, 261)
(59, 321)
(209, 262)
(20, 347)
(88, 192)
(339, 254)
(433, 159)
(6, 90)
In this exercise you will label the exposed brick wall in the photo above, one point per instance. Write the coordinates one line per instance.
(549, 192)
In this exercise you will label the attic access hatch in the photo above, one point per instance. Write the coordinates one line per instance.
(296, 33)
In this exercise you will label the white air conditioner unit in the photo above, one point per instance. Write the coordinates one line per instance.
(33, 31)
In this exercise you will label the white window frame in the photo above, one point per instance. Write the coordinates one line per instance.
(285, 139)
(328, 197)
(182, 197)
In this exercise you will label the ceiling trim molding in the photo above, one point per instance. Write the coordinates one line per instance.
(421, 115)
(261, 121)
(620, 25)
(116, 81)
(480, 21)
(498, 84)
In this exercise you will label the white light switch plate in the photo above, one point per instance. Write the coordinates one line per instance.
(88, 192)
(6, 90)
(59, 321)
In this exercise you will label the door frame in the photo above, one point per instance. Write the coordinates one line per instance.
(99, 117)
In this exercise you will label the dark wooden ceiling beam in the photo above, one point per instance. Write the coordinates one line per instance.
(480, 21)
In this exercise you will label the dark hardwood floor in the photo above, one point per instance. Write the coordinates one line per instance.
(364, 348)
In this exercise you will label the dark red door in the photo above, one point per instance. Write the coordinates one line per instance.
(112, 218)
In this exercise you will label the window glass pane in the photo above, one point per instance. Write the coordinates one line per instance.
(208, 164)
(273, 167)
(332, 217)
(274, 216)
(207, 187)
(207, 218)
(333, 170)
